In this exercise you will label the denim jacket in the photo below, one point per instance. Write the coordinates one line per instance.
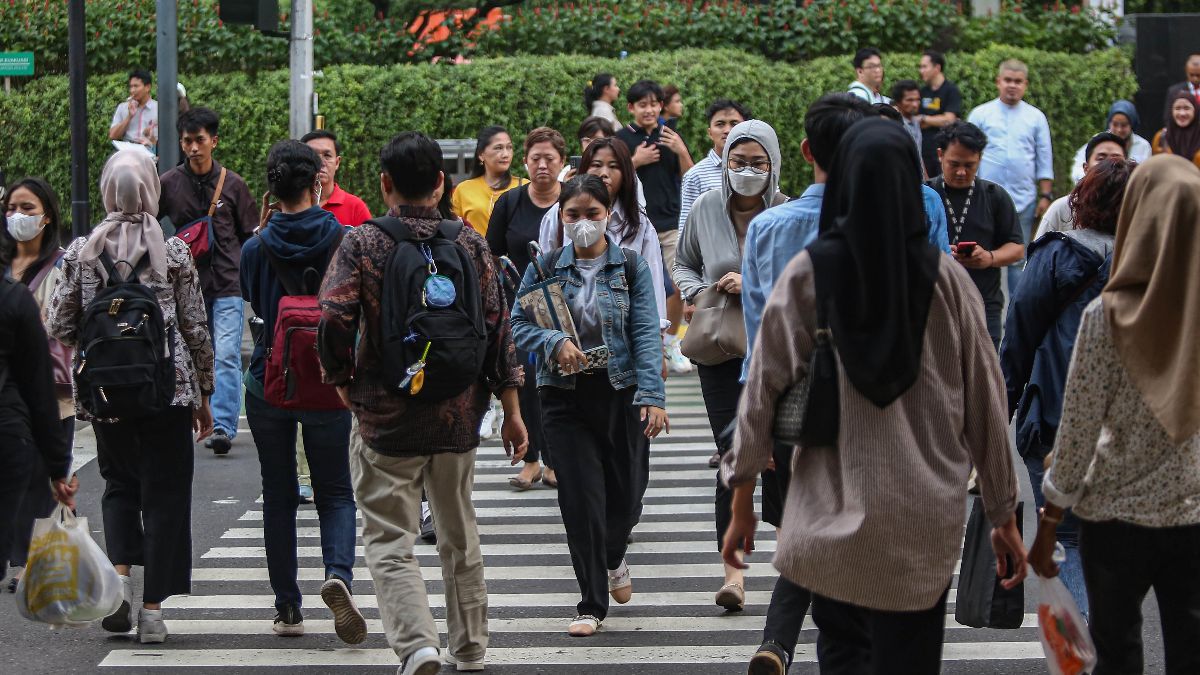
(630, 324)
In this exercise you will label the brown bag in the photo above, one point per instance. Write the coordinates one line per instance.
(717, 332)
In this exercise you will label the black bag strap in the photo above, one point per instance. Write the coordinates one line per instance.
(287, 273)
(392, 227)
(111, 268)
(450, 229)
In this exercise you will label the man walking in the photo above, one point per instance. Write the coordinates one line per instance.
(1102, 146)
(941, 104)
(347, 208)
(868, 76)
(198, 188)
(1018, 158)
(402, 443)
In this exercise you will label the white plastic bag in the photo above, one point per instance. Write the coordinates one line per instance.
(1065, 639)
(68, 581)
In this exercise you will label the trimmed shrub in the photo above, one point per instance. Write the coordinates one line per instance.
(366, 105)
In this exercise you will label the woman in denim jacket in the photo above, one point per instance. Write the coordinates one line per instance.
(598, 417)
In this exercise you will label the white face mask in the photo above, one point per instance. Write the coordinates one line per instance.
(749, 181)
(585, 232)
(24, 227)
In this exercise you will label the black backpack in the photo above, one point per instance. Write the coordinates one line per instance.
(433, 335)
(125, 363)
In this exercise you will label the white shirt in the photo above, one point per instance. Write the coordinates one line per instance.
(1057, 218)
(1018, 152)
(1139, 151)
(144, 118)
(604, 110)
(864, 92)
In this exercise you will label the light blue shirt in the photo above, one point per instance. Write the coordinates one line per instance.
(707, 174)
(1018, 152)
(778, 234)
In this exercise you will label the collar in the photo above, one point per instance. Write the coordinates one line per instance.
(614, 255)
(713, 157)
(211, 176)
(814, 191)
(415, 212)
(337, 196)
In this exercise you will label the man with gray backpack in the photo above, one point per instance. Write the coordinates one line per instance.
(435, 345)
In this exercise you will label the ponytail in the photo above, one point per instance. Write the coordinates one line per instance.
(591, 93)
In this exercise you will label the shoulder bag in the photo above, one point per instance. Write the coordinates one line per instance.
(807, 413)
(717, 332)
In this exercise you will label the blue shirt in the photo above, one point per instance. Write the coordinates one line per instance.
(1018, 152)
(778, 234)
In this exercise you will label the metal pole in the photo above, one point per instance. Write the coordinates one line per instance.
(77, 65)
(168, 76)
(301, 61)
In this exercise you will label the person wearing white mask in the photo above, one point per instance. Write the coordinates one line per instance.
(710, 255)
(601, 390)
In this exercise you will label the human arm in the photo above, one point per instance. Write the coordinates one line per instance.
(33, 376)
(938, 121)
(674, 142)
(1032, 310)
(497, 230)
(527, 334)
(66, 303)
(245, 210)
(981, 258)
(512, 431)
(688, 273)
(935, 219)
(645, 154)
(191, 315)
(501, 370)
(755, 287)
(1044, 163)
(689, 191)
(651, 250)
(121, 119)
(646, 343)
(341, 307)
(951, 108)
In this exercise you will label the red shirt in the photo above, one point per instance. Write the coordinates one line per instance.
(348, 209)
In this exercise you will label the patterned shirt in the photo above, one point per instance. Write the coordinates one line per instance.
(707, 174)
(1113, 459)
(182, 305)
(350, 302)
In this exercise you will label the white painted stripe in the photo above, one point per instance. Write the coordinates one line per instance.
(539, 548)
(711, 571)
(529, 511)
(497, 656)
(677, 460)
(541, 495)
(495, 600)
(707, 528)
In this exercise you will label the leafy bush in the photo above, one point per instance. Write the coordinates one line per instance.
(366, 105)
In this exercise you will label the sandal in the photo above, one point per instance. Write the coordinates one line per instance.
(548, 481)
(731, 597)
(522, 484)
(584, 625)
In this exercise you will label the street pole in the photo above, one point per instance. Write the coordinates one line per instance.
(301, 62)
(167, 27)
(77, 65)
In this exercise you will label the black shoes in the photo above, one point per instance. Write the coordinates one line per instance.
(220, 442)
(289, 622)
(770, 659)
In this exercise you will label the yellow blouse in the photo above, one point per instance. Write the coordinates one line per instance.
(473, 200)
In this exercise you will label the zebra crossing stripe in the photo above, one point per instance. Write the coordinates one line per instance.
(509, 512)
(711, 571)
(495, 600)
(703, 527)
(638, 547)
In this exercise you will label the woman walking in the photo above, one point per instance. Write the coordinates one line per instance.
(1128, 447)
(146, 462)
(598, 98)
(709, 260)
(598, 412)
(473, 199)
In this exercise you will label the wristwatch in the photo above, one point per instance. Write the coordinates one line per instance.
(1049, 196)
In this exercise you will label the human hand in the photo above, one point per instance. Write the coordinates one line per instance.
(1041, 554)
(656, 420)
(515, 437)
(739, 536)
(569, 358)
(64, 491)
(202, 420)
(133, 106)
(646, 153)
(979, 258)
(671, 139)
(731, 283)
(343, 393)
(1042, 205)
(1009, 549)
(688, 310)
(571, 173)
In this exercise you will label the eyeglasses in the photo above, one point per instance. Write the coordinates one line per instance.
(873, 66)
(760, 164)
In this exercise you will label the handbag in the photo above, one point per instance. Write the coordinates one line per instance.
(61, 356)
(981, 601)
(807, 413)
(717, 332)
(199, 234)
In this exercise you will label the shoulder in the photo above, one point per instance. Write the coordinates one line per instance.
(173, 175)
(71, 254)
(929, 194)
(955, 282)
(18, 302)
(178, 253)
(798, 278)
(234, 179)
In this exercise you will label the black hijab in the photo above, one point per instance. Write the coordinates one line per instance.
(873, 263)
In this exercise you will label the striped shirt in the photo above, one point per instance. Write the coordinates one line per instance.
(705, 175)
(878, 520)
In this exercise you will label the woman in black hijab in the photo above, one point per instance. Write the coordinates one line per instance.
(874, 519)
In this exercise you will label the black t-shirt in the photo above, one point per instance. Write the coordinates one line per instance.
(991, 222)
(944, 99)
(515, 222)
(660, 180)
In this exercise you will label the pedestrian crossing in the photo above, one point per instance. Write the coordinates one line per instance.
(670, 626)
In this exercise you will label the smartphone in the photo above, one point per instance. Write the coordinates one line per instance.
(574, 161)
(966, 248)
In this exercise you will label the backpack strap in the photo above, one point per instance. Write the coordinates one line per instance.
(450, 229)
(392, 227)
(111, 268)
(51, 262)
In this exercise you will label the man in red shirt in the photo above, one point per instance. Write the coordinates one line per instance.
(347, 208)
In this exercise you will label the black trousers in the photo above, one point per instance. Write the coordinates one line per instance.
(1121, 563)
(37, 503)
(18, 464)
(531, 412)
(785, 615)
(720, 387)
(602, 463)
(855, 640)
(147, 504)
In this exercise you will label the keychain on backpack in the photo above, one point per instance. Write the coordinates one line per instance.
(439, 289)
(416, 373)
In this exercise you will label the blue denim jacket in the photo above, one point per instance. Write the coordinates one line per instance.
(630, 320)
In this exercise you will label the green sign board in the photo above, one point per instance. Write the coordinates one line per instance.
(16, 63)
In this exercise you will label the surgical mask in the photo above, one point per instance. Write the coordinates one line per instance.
(584, 232)
(749, 181)
(24, 227)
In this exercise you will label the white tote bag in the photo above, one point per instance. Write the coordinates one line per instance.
(68, 581)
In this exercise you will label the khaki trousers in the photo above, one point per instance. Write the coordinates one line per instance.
(388, 490)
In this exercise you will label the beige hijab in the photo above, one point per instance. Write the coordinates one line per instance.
(1152, 299)
(130, 187)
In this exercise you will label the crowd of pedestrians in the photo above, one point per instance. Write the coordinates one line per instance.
(553, 306)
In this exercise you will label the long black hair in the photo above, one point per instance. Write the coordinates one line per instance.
(51, 239)
(593, 90)
(292, 169)
(486, 135)
(627, 191)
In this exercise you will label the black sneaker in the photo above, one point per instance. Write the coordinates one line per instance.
(220, 442)
(289, 622)
(348, 622)
(770, 659)
(428, 534)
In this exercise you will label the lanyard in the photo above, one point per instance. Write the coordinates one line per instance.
(958, 222)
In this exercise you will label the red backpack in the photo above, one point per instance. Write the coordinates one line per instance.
(293, 371)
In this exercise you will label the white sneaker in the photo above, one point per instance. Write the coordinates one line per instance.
(676, 362)
(151, 629)
(462, 666)
(620, 584)
(121, 621)
(487, 428)
(424, 661)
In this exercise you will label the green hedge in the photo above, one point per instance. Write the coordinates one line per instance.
(366, 105)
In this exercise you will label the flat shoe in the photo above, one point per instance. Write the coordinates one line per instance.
(714, 461)
(731, 597)
(584, 626)
(522, 484)
(549, 482)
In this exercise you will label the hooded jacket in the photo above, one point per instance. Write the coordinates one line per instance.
(299, 240)
(708, 245)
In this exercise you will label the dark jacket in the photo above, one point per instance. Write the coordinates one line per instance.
(28, 408)
(1061, 277)
(299, 240)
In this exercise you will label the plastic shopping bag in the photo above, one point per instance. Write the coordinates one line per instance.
(68, 580)
(1065, 638)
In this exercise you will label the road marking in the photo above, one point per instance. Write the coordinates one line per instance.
(496, 573)
(542, 548)
(437, 600)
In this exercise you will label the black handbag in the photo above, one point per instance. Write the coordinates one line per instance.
(807, 413)
(981, 601)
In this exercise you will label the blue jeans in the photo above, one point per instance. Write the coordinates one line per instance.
(1026, 220)
(1071, 571)
(327, 444)
(225, 323)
